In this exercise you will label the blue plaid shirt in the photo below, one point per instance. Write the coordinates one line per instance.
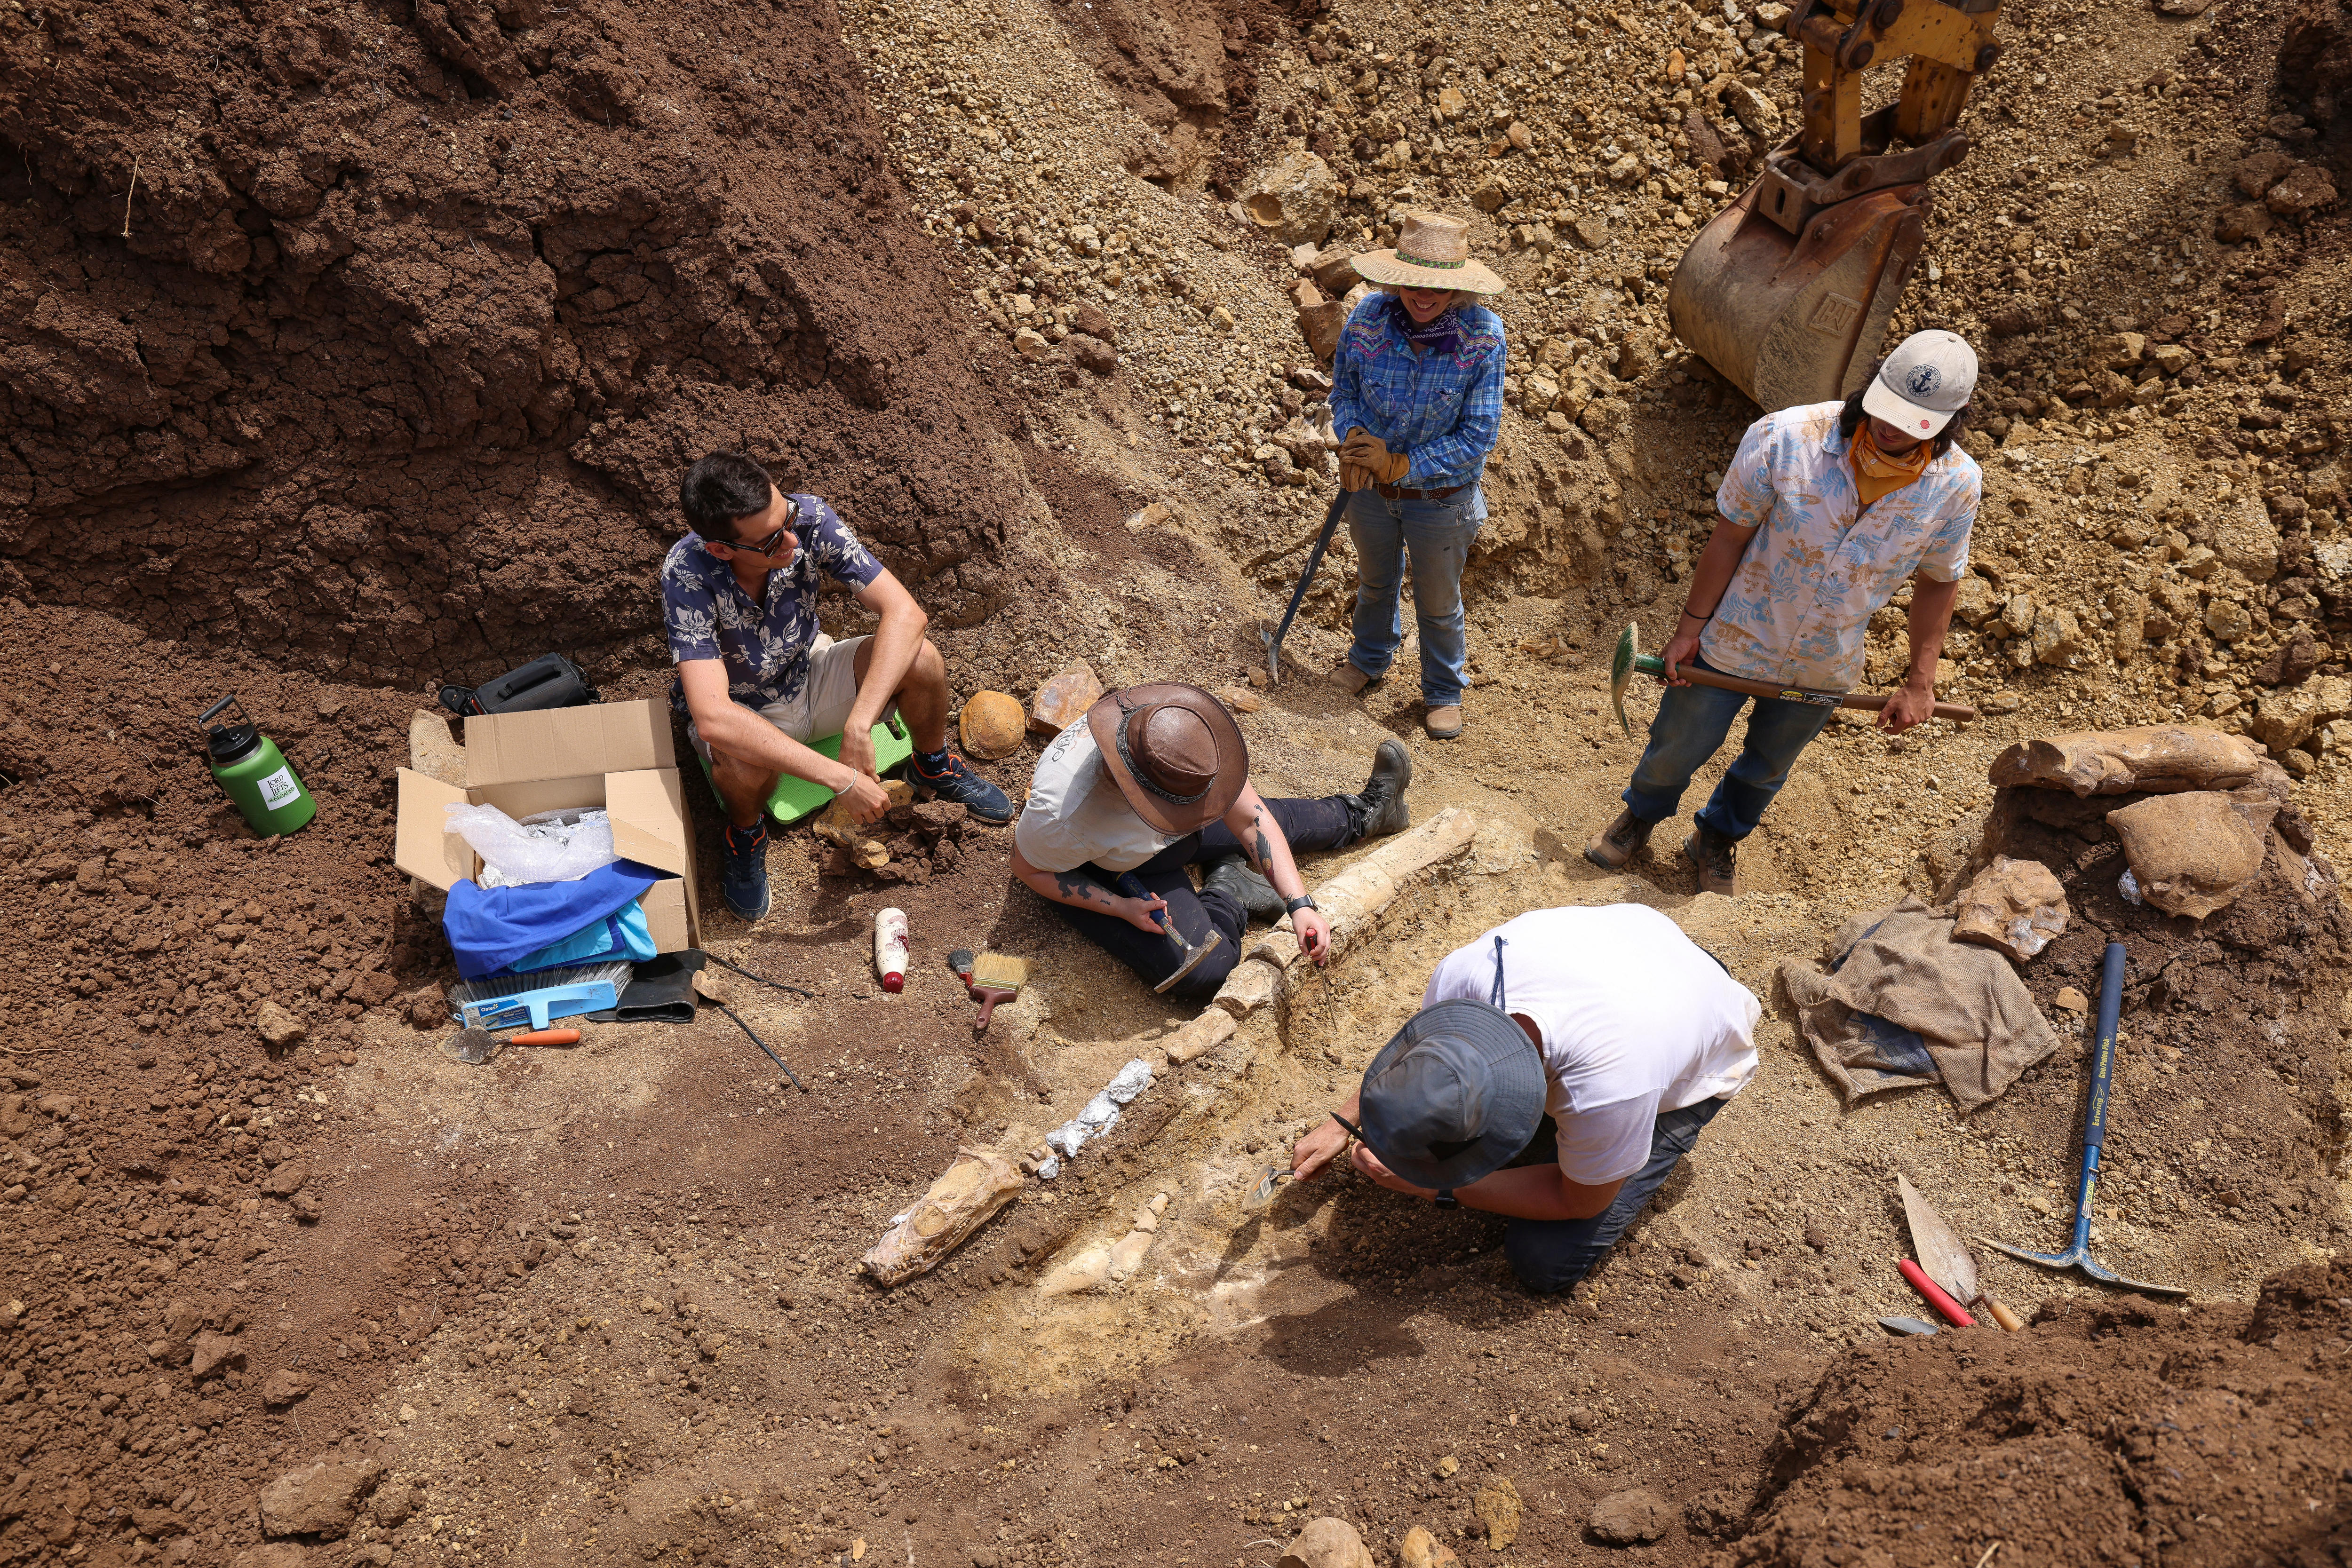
(1442, 410)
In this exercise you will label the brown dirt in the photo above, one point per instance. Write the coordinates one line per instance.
(2115, 1434)
(421, 310)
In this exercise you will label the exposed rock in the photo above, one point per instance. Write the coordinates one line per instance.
(1630, 1518)
(1094, 356)
(287, 1179)
(2149, 759)
(1419, 1548)
(285, 1385)
(2304, 191)
(1327, 1543)
(1753, 109)
(1293, 201)
(393, 1502)
(213, 1351)
(2191, 853)
(279, 1028)
(992, 726)
(1064, 700)
(322, 1498)
(2287, 717)
(965, 1197)
(1496, 1504)
(2016, 905)
(2290, 664)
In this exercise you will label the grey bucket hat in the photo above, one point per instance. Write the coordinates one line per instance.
(1453, 1096)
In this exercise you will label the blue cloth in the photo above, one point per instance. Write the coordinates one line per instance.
(1552, 1255)
(1442, 408)
(1691, 724)
(621, 935)
(766, 646)
(490, 928)
(1436, 535)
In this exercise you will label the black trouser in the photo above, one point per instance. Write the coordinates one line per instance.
(1322, 824)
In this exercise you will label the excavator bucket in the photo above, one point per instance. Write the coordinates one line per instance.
(1787, 291)
(1797, 319)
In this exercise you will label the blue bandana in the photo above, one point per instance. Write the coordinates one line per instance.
(1443, 335)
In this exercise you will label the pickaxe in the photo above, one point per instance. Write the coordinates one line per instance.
(1273, 639)
(1629, 658)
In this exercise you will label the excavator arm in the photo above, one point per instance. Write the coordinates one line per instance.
(1787, 291)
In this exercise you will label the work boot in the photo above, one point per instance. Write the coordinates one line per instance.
(1444, 723)
(1231, 876)
(1619, 842)
(1717, 859)
(1352, 680)
(743, 878)
(1380, 808)
(954, 780)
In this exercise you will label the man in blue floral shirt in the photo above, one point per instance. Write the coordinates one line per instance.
(758, 681)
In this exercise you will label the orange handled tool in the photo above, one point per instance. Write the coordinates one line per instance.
(546, 1037)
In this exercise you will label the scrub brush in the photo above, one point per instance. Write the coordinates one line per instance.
(505, 1001)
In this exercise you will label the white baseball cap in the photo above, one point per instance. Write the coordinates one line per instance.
(1926, 379)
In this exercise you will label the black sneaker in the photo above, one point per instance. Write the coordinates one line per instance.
(1231, 876)
(959, 783)
(743, 878)
(1380, 808)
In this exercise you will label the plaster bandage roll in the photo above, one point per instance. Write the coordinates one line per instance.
(890, 948)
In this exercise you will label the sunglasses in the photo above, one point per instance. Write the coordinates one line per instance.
(766, 546)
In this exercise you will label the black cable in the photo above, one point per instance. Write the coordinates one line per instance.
(763, 1044)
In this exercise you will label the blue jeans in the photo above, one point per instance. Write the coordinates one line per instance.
(1691, 724)
(1436, 535)
(1552, 1255)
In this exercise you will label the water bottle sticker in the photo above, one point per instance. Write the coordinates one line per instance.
(278, 789)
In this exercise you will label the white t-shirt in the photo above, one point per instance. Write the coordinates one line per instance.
(1635, 1020)
(1076, 813)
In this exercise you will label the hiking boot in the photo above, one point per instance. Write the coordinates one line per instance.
(1352, 680)
(959, 783)
(1231, 876)
(743, 878)
(1442, 722)
(1717, 859)
(1380, 808)
(1619, 842)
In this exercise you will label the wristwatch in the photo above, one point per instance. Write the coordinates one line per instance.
(1304, 901)
(1446, 1198)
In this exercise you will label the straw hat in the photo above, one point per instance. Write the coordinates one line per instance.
(1434, 252)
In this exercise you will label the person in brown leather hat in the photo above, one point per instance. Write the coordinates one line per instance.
(1156, 780)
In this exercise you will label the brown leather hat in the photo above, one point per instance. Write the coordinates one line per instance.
(1173, 750)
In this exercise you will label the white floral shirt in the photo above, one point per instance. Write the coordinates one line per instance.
(1822, 563)
(766, 646)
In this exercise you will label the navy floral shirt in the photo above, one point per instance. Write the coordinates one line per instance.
(766, 646)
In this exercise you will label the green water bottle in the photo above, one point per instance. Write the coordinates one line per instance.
(255, 772)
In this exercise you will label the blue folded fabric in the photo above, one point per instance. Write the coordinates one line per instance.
(622, 936)
(491, 928)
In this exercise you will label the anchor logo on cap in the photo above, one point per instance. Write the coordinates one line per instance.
(1922, 380)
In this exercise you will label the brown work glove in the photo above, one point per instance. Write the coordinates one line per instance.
(1370, 453)
(1352, 478)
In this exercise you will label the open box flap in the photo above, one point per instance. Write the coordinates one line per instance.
(648, 811)
(561, 743)
(422, 844)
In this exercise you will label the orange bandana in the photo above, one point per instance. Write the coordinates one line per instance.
(1875, 475)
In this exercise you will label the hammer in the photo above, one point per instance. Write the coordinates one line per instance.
(1188, 958)
(1629, 658)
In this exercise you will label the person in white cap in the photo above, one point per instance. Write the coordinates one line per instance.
(1417, 398)
(1827, 509)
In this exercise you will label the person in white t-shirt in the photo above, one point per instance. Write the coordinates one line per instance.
(1559, 1070)
(1155, 780)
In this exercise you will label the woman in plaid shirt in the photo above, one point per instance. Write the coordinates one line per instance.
(1417, 391)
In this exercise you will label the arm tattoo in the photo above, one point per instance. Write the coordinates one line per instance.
(1077, 889)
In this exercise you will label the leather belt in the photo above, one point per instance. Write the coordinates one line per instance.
(1396, 493)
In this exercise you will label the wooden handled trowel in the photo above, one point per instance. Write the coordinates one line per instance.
(1946, 1260)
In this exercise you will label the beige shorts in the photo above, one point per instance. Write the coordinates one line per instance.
(827, 696)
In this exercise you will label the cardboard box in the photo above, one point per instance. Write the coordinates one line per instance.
(614, 755)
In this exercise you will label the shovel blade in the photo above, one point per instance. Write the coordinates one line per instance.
(1621, 670)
